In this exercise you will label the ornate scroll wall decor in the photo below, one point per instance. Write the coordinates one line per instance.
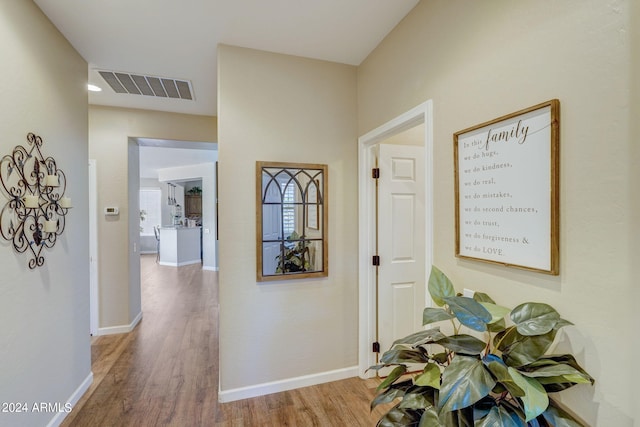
(507, 189)
(34, 214)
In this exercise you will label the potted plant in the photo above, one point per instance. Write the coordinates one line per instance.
(456, 379)
(295, 255)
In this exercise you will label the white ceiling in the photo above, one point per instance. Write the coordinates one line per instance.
(179, 38)
(158, 154)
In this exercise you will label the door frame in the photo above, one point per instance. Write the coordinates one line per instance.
(422, 113)
(94, 305)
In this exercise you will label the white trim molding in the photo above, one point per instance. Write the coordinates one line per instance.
(287, 384)
(73, 399)
(420, 114)
(123, 329)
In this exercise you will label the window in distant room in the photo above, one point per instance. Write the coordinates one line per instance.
(149, 210)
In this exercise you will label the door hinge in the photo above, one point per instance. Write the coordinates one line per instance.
(376, 260)
(376, 347)
(375, 173)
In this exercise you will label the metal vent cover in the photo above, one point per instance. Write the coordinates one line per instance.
(137, 84)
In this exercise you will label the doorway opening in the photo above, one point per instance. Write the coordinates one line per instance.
(420, 118)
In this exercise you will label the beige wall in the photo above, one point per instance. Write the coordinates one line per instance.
(109, 133)
(481, 60)
(282, 108)
(634, 177)
(44, 317)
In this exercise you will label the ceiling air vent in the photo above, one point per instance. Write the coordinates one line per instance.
(136, 84)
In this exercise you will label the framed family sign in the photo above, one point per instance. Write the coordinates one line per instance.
(507, 189)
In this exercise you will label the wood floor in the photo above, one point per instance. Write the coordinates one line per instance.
(165, 372)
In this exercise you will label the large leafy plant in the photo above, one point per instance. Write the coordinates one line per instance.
(461, 380)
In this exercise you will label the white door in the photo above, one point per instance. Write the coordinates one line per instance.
(401, 242)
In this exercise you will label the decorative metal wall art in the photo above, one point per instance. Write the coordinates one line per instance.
(34, 214)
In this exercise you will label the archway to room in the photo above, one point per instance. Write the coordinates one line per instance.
(182, 162)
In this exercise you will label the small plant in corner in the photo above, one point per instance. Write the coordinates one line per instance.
(457, 379)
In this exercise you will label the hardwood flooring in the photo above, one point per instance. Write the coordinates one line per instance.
(165, 372)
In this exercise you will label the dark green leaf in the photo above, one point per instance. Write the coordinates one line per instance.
(534, 318)
(523, 350)
(469, 312)
(430, 418)
(398, 417)
(482, 297)
(386, 396)
(460, 418)
(432, 315)
(558, 417)
(535, 399)
(422, 337)
(499, 416)
(550, 362)
(399, 356)
(560, 370)
(415, 401)
(464, 382)
(397, 372)
(440, 358)
(465, 344)
(440, 286)
(500, 372)
(499, 326)
(555, 384)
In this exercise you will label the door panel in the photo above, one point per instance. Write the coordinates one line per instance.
(401, 242)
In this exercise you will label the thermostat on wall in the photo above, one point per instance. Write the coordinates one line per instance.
(111, 211)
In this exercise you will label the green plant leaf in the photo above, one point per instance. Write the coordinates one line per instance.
(482, 297)
(557, 370)
(396, 373)
(459, 418)
(499, 416)
(398, 356)
(430, 418)
(430, 376)
(535, 399)
(432, 315)
(422, 337)
(440, 358)
(560, 370)
(498, 326)
(497, 312)
(465, 344)
(386, 396)
(464, 382)
(558, 417)
(534, 318)
(415, 401)
(500, 372)
(469, 312)
(398, 417)
(521, 350)
(440, 286)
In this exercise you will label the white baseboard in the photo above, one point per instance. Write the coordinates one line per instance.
(73, 399)
(288, 384)
(111, 330)
(210, 268)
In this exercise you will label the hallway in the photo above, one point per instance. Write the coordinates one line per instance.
(165, 372)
